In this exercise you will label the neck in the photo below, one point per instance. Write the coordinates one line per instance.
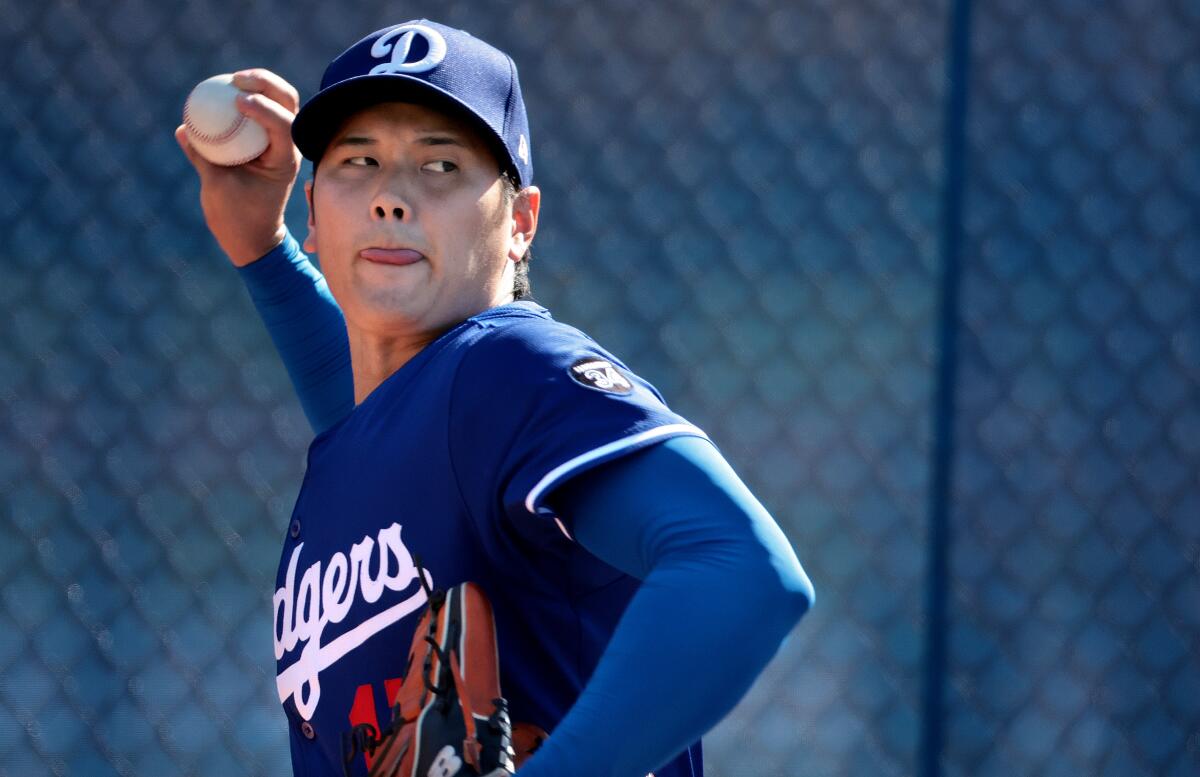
(374, 358)
(376, 355)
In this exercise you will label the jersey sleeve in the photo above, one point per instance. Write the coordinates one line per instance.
(536, 403)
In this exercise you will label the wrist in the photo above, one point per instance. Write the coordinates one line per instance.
(246, 253)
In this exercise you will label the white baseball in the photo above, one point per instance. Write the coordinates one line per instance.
(216, 128)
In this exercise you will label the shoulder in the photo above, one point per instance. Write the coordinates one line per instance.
(537, 351)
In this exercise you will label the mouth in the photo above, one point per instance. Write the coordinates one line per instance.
(393, 256)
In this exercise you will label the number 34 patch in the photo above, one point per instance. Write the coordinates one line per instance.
(600, 374)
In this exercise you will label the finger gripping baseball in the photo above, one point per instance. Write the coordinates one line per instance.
(449, 718)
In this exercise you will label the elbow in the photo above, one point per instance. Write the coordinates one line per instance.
(809, 597)
(778, 570)
(782, 595)
(797, 595)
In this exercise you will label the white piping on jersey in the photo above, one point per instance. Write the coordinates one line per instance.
(562, 470)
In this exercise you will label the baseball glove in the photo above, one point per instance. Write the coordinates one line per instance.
(449, 718)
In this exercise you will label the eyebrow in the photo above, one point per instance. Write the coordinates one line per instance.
(432, 139)
(352, 140)
(440, 140)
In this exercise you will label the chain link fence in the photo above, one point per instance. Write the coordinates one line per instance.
(1075, 637)
(741, 200)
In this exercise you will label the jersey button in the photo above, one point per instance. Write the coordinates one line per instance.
(294, 530)
(307, 730)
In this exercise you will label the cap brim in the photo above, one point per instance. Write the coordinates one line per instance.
(322, 116)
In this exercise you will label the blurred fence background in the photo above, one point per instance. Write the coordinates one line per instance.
(761, 206)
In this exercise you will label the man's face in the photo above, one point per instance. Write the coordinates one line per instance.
(408, 215)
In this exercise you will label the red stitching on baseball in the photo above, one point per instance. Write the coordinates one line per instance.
(224, 136)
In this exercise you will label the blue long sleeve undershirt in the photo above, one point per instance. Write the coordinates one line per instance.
(721, 586)
(307, 328)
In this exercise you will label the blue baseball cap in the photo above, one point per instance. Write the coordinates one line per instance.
(429, 63)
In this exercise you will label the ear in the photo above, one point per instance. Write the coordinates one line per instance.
(525, 207)
(310, 242)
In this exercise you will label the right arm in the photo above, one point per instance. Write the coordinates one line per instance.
(307, 328)
(244, 209)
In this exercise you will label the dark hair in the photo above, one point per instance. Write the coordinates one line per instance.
(521, 286)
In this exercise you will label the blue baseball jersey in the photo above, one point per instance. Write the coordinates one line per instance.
(449, 461)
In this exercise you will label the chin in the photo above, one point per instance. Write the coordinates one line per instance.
(383, 309)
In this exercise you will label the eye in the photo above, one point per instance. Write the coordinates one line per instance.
(360, 161)
(439, 166)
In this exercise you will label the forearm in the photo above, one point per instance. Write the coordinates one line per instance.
(308, 330)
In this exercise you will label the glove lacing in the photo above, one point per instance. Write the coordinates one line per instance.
(365, 737)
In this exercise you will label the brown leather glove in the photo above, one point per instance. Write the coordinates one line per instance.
(444, 725)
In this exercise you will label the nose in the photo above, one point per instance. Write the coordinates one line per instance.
(389, 203)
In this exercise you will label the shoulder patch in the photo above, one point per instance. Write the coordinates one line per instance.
(600, 374)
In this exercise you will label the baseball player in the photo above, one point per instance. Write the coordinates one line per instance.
(638, 587)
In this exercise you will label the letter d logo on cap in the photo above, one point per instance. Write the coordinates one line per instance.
(401, 47)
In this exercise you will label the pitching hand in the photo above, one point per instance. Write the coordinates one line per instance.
(244, 205)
